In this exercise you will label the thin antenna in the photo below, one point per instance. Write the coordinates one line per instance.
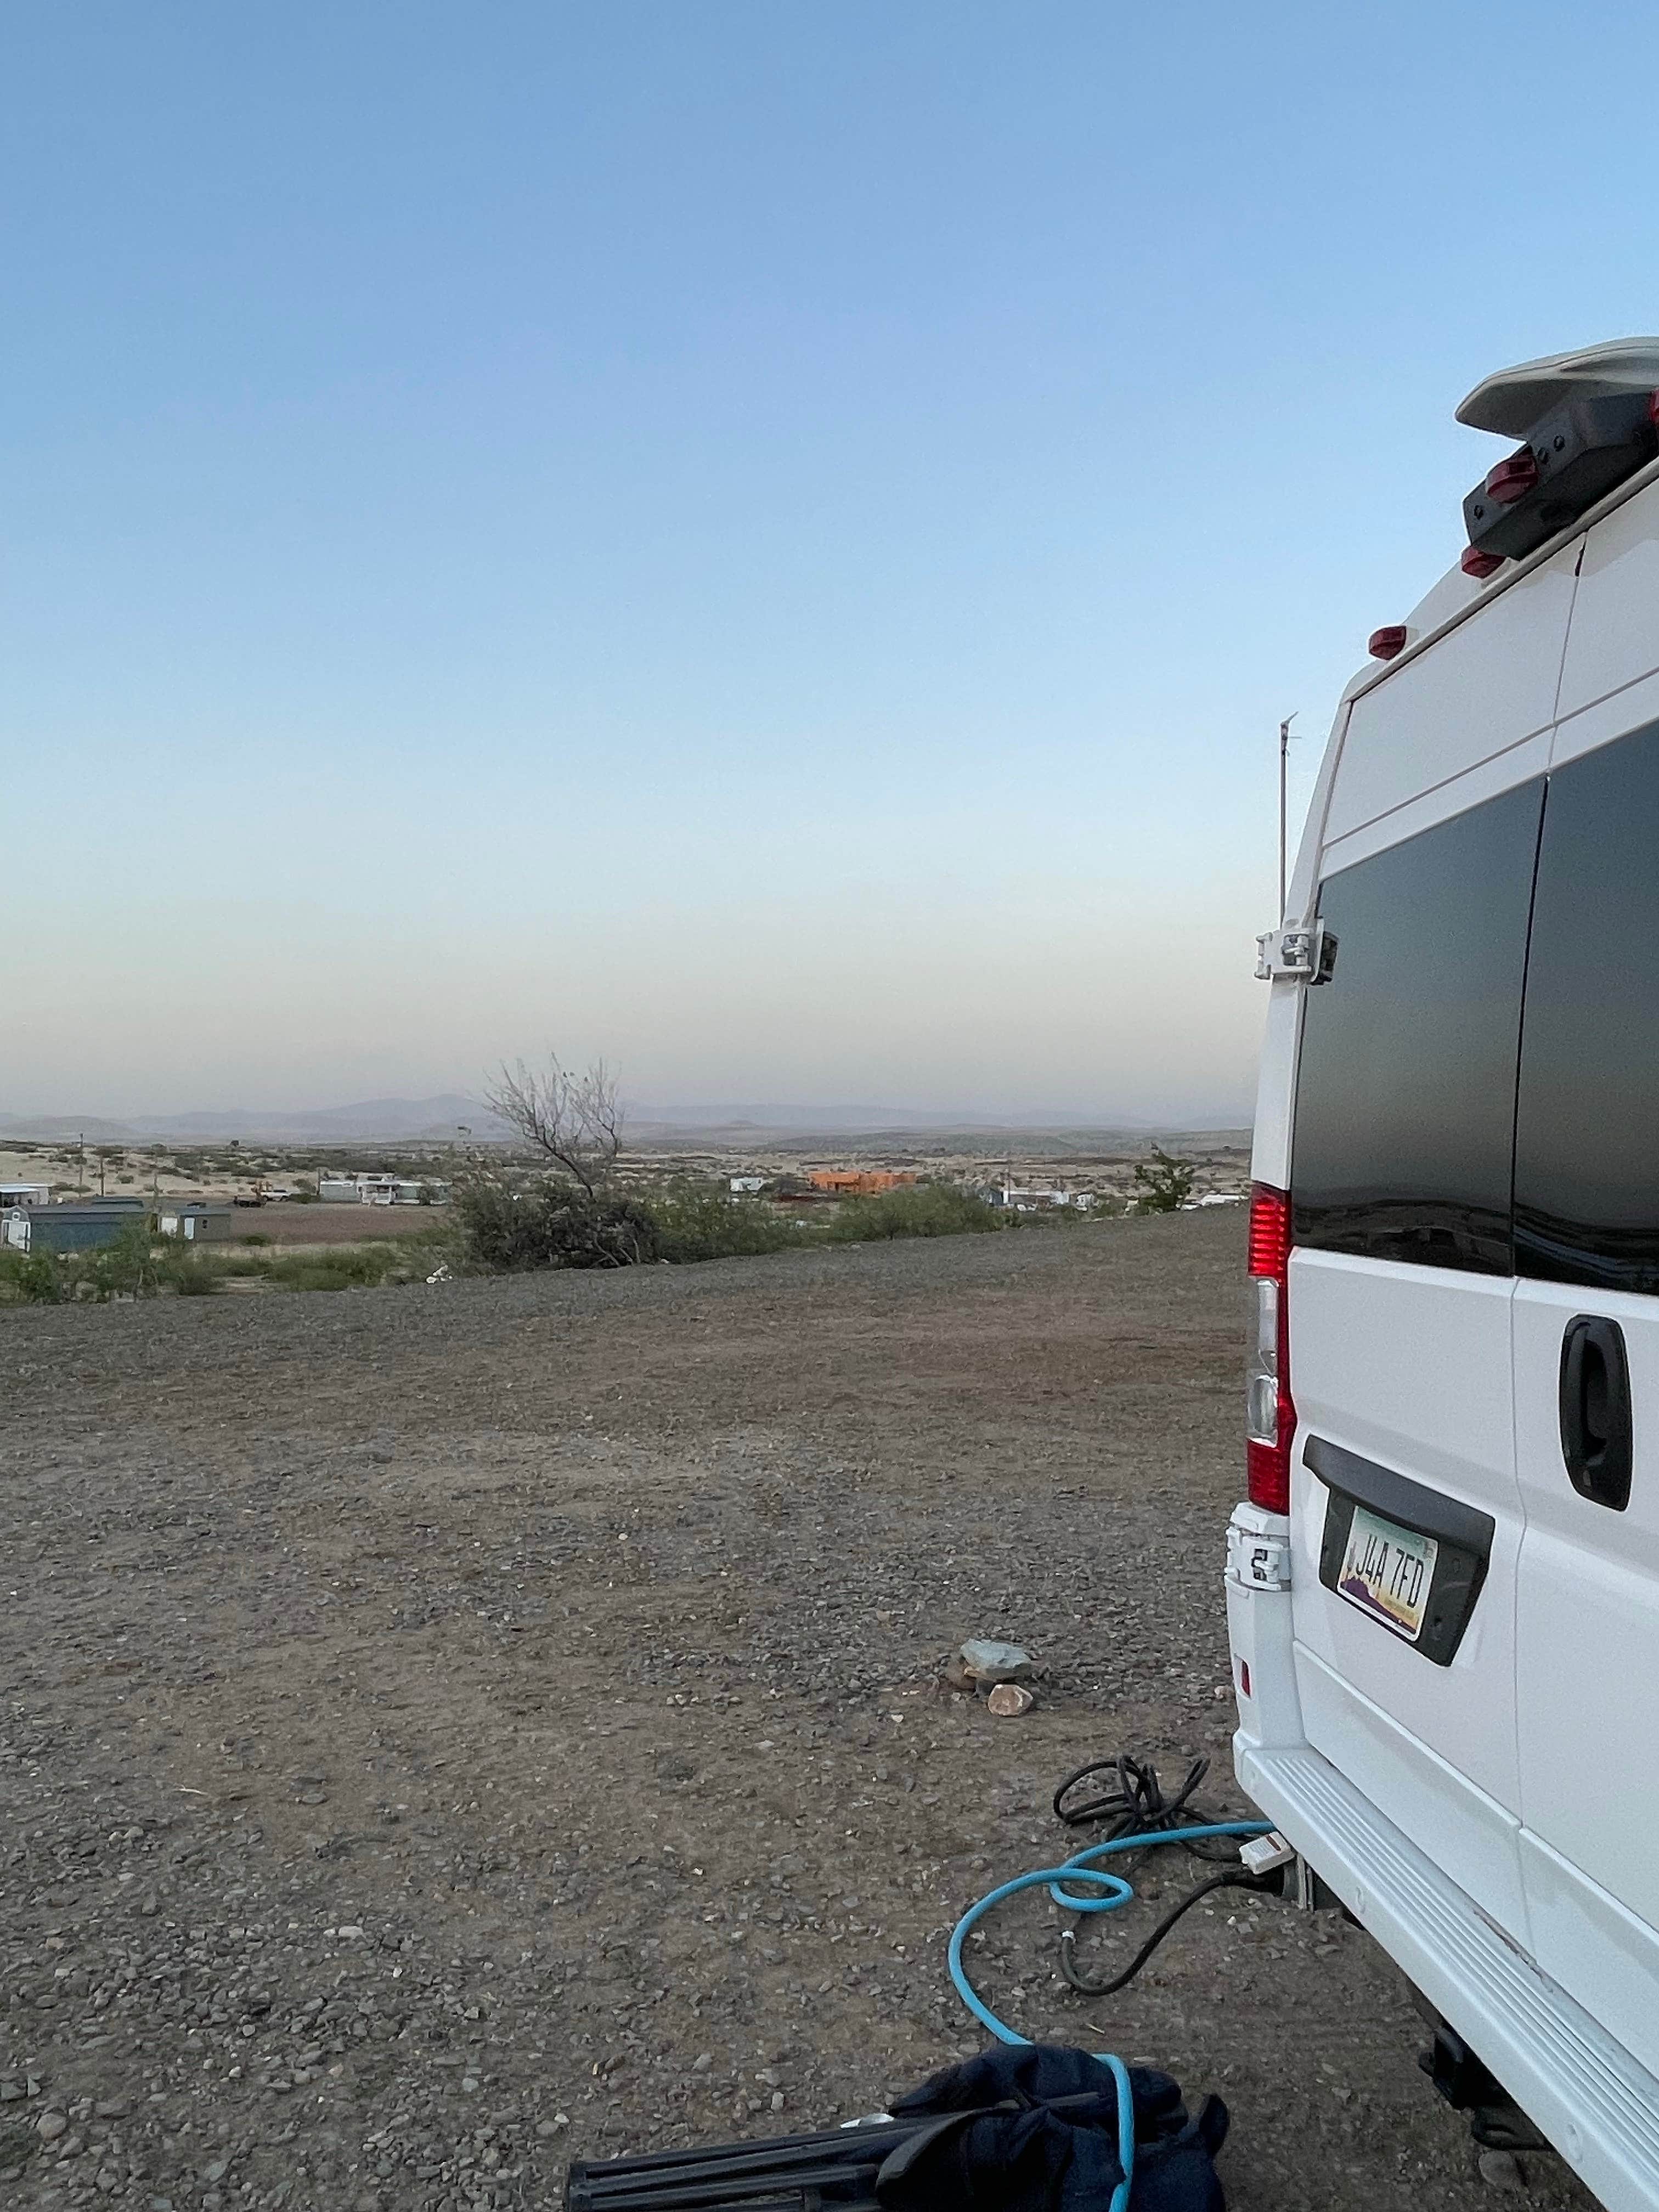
(1283, 756)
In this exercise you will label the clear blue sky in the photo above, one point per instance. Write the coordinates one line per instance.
(769, 541)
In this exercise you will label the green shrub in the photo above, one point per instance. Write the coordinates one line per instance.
(124, 1268)
(550, 1224)
(193, 1274)
(350, 1266)
(927, 1209)
(701, 1221)
(30, 1278)
(1164, 1186)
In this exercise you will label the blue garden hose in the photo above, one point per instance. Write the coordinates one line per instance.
(1111, 1891)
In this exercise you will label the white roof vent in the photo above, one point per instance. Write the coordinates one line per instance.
(1509, 401)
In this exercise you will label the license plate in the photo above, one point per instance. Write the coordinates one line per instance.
(1386, 1571)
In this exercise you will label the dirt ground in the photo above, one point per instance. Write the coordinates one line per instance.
(452, 1729)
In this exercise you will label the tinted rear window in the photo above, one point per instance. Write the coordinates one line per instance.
(1587, 1133)
(1404, 1108)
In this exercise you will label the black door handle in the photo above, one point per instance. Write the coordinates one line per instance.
(1596, 1438)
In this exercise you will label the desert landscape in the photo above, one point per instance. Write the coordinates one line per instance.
(451, 1729)
(1097, 1161)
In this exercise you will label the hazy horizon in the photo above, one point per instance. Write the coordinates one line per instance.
(831, 1116)
(769, 545)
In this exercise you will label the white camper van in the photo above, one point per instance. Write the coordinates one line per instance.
(1443, 1593)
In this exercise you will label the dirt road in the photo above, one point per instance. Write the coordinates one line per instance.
(450, 1730)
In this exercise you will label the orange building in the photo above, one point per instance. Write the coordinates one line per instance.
(856, 1182)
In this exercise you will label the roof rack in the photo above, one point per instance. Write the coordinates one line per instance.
(1512, 400)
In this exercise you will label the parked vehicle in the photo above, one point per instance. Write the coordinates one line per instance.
(1444, 1595)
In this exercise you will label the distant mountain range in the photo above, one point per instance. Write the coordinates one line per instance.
(856, 1120)
(433, 1120)
(440, 1120)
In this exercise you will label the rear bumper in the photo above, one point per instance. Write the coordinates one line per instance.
(1581, 2087)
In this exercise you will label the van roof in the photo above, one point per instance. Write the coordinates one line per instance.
(1510, 400)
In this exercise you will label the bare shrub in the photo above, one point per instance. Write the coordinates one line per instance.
(575, 1121)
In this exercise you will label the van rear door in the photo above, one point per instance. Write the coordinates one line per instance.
(1406, 1509)
(1586, 1389)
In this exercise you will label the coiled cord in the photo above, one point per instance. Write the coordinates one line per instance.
(1138, 1802)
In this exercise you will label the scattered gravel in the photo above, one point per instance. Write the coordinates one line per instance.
(449, 1730)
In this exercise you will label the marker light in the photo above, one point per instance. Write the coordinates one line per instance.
(1514, 479)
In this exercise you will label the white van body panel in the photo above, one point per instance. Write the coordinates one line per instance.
(1587, 1684)
(1516, 765)
(1615, 636)
(1608, 720)
(1410, 1367)
(1270, 1147)
(1487, 684)
(1587, 1942)
(1475, 1840)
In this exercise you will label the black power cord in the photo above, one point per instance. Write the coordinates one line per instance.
(1138, 1806)
(1135, 1806)
(1079, 1980)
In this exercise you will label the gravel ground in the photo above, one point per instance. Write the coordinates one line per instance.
(449, 1730)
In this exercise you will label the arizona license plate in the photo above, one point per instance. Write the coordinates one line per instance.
(1386, 1571)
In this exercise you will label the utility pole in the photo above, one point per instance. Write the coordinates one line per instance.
(1283, 761)
(81, 1167)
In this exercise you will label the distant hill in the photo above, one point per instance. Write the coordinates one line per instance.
(65, 1128)
(438, 1120)
(435, 1120)
(744, 1121)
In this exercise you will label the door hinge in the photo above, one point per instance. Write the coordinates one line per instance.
(1258, 1559)
(1305, 954)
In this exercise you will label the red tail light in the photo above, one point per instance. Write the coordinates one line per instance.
(1475, 562)
(1270, 1231)
(1383, 644)
(1514, 479)
(1271, 1417)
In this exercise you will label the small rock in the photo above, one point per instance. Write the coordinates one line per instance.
(954, 1675)
(702, 2062)
(49, 2126)
(1009, 1699)
(148, 1907)
(989, 1661)
(11, 2092)
(1501, 2169)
